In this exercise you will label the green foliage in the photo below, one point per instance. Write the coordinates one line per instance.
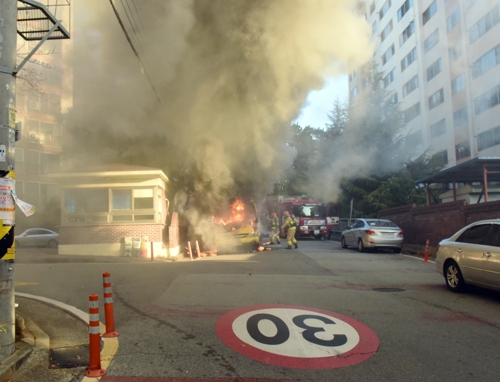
(363, 147)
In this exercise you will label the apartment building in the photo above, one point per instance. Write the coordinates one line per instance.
(440, 60)
(44, 92)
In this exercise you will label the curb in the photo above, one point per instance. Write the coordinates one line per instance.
(12, 363)
(38, 340)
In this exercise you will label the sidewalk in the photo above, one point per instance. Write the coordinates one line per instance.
(51, 344)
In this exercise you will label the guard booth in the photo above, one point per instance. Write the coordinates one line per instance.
(107, 210)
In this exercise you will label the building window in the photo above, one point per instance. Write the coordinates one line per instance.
(453, 20)
(32, 193)
(372, 7)
(374, 27)
(394, 98)
(388, 54)
(32, 162)
(429, 12)
(431, 41)
(410, 86)
(409, 58)
(384, 9)
(434, 70)
(354, 92)
(414, 139)
(50, 134)
(441, 158)
(455, 52)
(488, 139)
(458, 84)
(486, 62)
(410, 29)
(404, 8)
(412, 112)
(460, 117)
(390, 78)
(49, 162)
(487, 100)
(462, 150)
(19, 161)
(387, 30)
(470, 3)
(47, 192)
(480, 28)
(436, 99)
(366, 81)
(438, 128)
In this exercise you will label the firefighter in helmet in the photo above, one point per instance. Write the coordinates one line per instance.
(274, 227)
(291, 227)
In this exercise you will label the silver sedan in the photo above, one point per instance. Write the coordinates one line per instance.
(471, 256)
(37, 237)
(373, 233)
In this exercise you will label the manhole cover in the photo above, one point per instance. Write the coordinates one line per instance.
(388, 290)
(69, 357)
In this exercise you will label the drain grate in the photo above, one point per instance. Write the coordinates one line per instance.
(69, 357)
(388, 290)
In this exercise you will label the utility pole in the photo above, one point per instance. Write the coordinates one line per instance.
(31, 20)
(8, 39)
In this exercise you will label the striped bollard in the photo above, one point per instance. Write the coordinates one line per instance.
(94, 369)
(109, 315)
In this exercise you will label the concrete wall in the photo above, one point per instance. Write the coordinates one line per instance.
(438, 221)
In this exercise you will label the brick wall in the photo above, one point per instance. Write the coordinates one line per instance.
(438, 221)
(109, 234)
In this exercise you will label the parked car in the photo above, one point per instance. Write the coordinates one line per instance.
(373, 233)
(471, 256)
(37, 237)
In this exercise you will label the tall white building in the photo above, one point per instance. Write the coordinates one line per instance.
(440, 58)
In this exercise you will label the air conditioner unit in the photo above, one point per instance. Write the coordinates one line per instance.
(34, 105)
(33, 137)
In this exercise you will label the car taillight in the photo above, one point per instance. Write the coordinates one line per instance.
(401, 233)
(370, 232)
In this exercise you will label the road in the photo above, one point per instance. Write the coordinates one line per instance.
(178, 319)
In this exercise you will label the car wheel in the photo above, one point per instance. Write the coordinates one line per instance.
(453, 276)
(52, 243)
(361, 246)
(396, 250)
(342, 242)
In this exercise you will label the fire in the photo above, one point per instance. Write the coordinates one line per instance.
(238, 214)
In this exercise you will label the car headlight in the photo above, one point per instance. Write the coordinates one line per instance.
(304, 228)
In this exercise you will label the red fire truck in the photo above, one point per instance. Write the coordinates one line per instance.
(314, 219)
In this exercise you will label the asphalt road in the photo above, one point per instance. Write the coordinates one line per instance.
(175, 318)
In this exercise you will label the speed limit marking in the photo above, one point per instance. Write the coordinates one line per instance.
(297, 337)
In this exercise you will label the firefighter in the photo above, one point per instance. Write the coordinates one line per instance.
(274, 227)
(291, 227)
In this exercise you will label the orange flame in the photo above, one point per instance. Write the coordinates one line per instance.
(237, 214)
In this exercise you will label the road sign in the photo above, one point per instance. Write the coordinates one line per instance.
(297, 337)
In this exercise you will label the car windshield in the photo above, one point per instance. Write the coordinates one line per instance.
(309, 211)
(381, 223)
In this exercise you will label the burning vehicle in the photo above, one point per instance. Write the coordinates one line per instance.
(239, 228)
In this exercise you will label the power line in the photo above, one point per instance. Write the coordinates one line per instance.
(133, 48)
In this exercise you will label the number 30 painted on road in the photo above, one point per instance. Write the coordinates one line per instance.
(297, 337)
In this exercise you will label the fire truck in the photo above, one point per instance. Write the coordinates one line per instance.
(314, 219)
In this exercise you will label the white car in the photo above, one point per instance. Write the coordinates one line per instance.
(471, 256)
(37, 237)
(373, 233)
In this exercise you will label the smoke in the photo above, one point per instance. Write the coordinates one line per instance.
(228, 77)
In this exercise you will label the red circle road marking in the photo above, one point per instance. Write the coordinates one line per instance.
(366, 347)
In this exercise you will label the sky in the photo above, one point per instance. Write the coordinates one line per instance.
(319, 103)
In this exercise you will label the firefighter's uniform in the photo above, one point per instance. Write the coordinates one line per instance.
(291, 227)
(274, 227)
